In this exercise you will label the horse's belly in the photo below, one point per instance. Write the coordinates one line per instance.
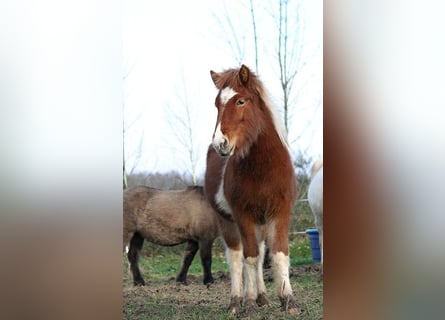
(164, 234)
(168, 239)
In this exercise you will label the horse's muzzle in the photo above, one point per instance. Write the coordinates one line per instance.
(223, 147)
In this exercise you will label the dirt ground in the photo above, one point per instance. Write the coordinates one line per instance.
(164, 299)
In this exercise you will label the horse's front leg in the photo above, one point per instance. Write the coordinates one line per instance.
(133, 254)
(205, 252)
(189, 253)
(252, 265)
(279, 244)
(234, 257)
(262, 296)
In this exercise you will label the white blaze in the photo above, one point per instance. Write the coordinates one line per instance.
(226, 94)
(218, 137)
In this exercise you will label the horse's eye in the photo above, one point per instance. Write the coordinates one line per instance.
(240, 102)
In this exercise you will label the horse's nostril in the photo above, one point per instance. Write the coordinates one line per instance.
(224, 144)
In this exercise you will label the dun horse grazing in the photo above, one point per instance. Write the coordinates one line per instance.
(315, 197)
(168, 218)
(251, 182)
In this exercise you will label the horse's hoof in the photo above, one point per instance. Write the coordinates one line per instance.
(262, 300)
(208, 280)
(184, 283)
(181, 280)
(320, 274)
(250, 307)
(289, 305)
(138, 282)
(235, 305)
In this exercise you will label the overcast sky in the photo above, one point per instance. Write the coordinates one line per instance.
(169, 47)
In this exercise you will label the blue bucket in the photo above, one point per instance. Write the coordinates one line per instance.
(315, 244)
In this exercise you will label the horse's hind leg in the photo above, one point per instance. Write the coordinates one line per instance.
(189, 253)
(133, 257)
(205, 251)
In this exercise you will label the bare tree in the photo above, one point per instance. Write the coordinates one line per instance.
(288, 52)
(128, 123)
(180, 117)
(234, 36)
(124, 171)
(236, 32)
(255, 36)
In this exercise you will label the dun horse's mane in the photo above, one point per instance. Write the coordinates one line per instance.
(230, 78)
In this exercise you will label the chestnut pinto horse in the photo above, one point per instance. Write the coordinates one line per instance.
(250, 182)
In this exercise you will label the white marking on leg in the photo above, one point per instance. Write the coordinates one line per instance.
(260, 279)
(280, 265)
(226, 94)
(127, 249)
(235, 260)
(250, 278)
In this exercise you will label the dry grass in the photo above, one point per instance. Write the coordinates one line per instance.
(164, 299)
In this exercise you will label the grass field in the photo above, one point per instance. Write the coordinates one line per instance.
(162, 298)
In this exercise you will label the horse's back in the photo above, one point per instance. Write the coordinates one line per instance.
(171, 217)
(138, 196)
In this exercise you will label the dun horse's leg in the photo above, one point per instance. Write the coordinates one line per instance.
(127, 235)
(278, 240)
(205, 252)
(189, 253)
(133, 257)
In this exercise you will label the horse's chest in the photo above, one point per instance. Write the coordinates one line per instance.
(244, 195)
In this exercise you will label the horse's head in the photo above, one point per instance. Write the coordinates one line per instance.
(239, 105)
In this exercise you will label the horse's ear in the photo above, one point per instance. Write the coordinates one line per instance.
(215, 77)
(244, 74)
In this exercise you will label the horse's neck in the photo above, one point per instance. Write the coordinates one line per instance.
(266, 150)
